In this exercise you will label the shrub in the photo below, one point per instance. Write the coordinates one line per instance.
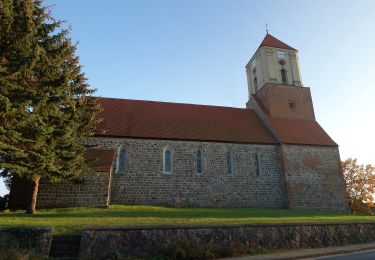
(25, 239)
(14, 254)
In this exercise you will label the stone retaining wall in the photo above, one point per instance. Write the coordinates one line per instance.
(37, 240)
(213, 241)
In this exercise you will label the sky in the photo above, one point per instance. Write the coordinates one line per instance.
(195, 52)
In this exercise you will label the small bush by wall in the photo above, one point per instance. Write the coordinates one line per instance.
(15, 254)
(30, 240)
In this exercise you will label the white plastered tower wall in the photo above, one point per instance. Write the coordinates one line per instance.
(266, 65)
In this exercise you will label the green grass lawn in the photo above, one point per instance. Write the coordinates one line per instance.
(71, 220)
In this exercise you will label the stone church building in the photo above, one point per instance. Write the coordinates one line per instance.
(271, 154)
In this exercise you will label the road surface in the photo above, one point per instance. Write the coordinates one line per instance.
(366, 255)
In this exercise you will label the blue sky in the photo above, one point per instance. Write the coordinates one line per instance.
(195, 52)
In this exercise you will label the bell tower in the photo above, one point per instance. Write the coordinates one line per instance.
(273, 62)
(274, 80)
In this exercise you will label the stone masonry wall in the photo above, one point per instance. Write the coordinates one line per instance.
(145, 183)
(35, 239)
(93, 191)
(203, 242)
(314, 179)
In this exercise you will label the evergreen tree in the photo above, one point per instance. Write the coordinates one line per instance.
(46, 105)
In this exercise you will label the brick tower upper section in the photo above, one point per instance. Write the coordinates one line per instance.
(285, 101)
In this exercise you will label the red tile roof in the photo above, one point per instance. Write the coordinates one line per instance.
(272, 41)
(162, 120)
(100, 160)
(296, 131)
(301, 131)
(174, 121)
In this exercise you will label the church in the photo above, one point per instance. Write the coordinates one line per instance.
(271, 154)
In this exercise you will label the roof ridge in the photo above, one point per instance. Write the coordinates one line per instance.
(175, 103)
(294, 119)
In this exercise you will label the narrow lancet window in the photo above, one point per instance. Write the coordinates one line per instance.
(230, 162)
(256, 164)
(199, 162)
(167, 161)
(121, 163)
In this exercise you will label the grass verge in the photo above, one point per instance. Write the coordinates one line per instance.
(71, 220)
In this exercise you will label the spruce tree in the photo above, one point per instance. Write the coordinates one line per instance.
(46, 105)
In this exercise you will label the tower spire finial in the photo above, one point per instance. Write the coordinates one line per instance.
(267, 28)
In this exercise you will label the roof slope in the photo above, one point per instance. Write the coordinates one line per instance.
(301, 131)
(272, 41)
(296, 131)
(100, 160)
(162, 120)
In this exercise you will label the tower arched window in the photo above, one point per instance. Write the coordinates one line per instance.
(284, 78)
(167, 160)
(121, 160)
(199, 161)
(255, 83)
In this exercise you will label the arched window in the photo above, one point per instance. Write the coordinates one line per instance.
(256, 164)
(167, 160)
(121, 160)
(284, 78)
(230, 162)
(199, 161)
(255, 83)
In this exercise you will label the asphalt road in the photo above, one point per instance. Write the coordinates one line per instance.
(367, 255)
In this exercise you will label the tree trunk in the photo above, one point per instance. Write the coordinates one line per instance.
(32, 203)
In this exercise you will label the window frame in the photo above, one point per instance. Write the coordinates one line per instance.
(230, 162)
(280, 55)
(170, 151)
(284, 75)
(256, 164)
(199, 157)
(122, 149)
(253, 64)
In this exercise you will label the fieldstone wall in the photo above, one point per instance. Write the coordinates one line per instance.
(145, 183)
(201, 242)
(314, 179)
(37, 240)
(266, 176)
(91, 190)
